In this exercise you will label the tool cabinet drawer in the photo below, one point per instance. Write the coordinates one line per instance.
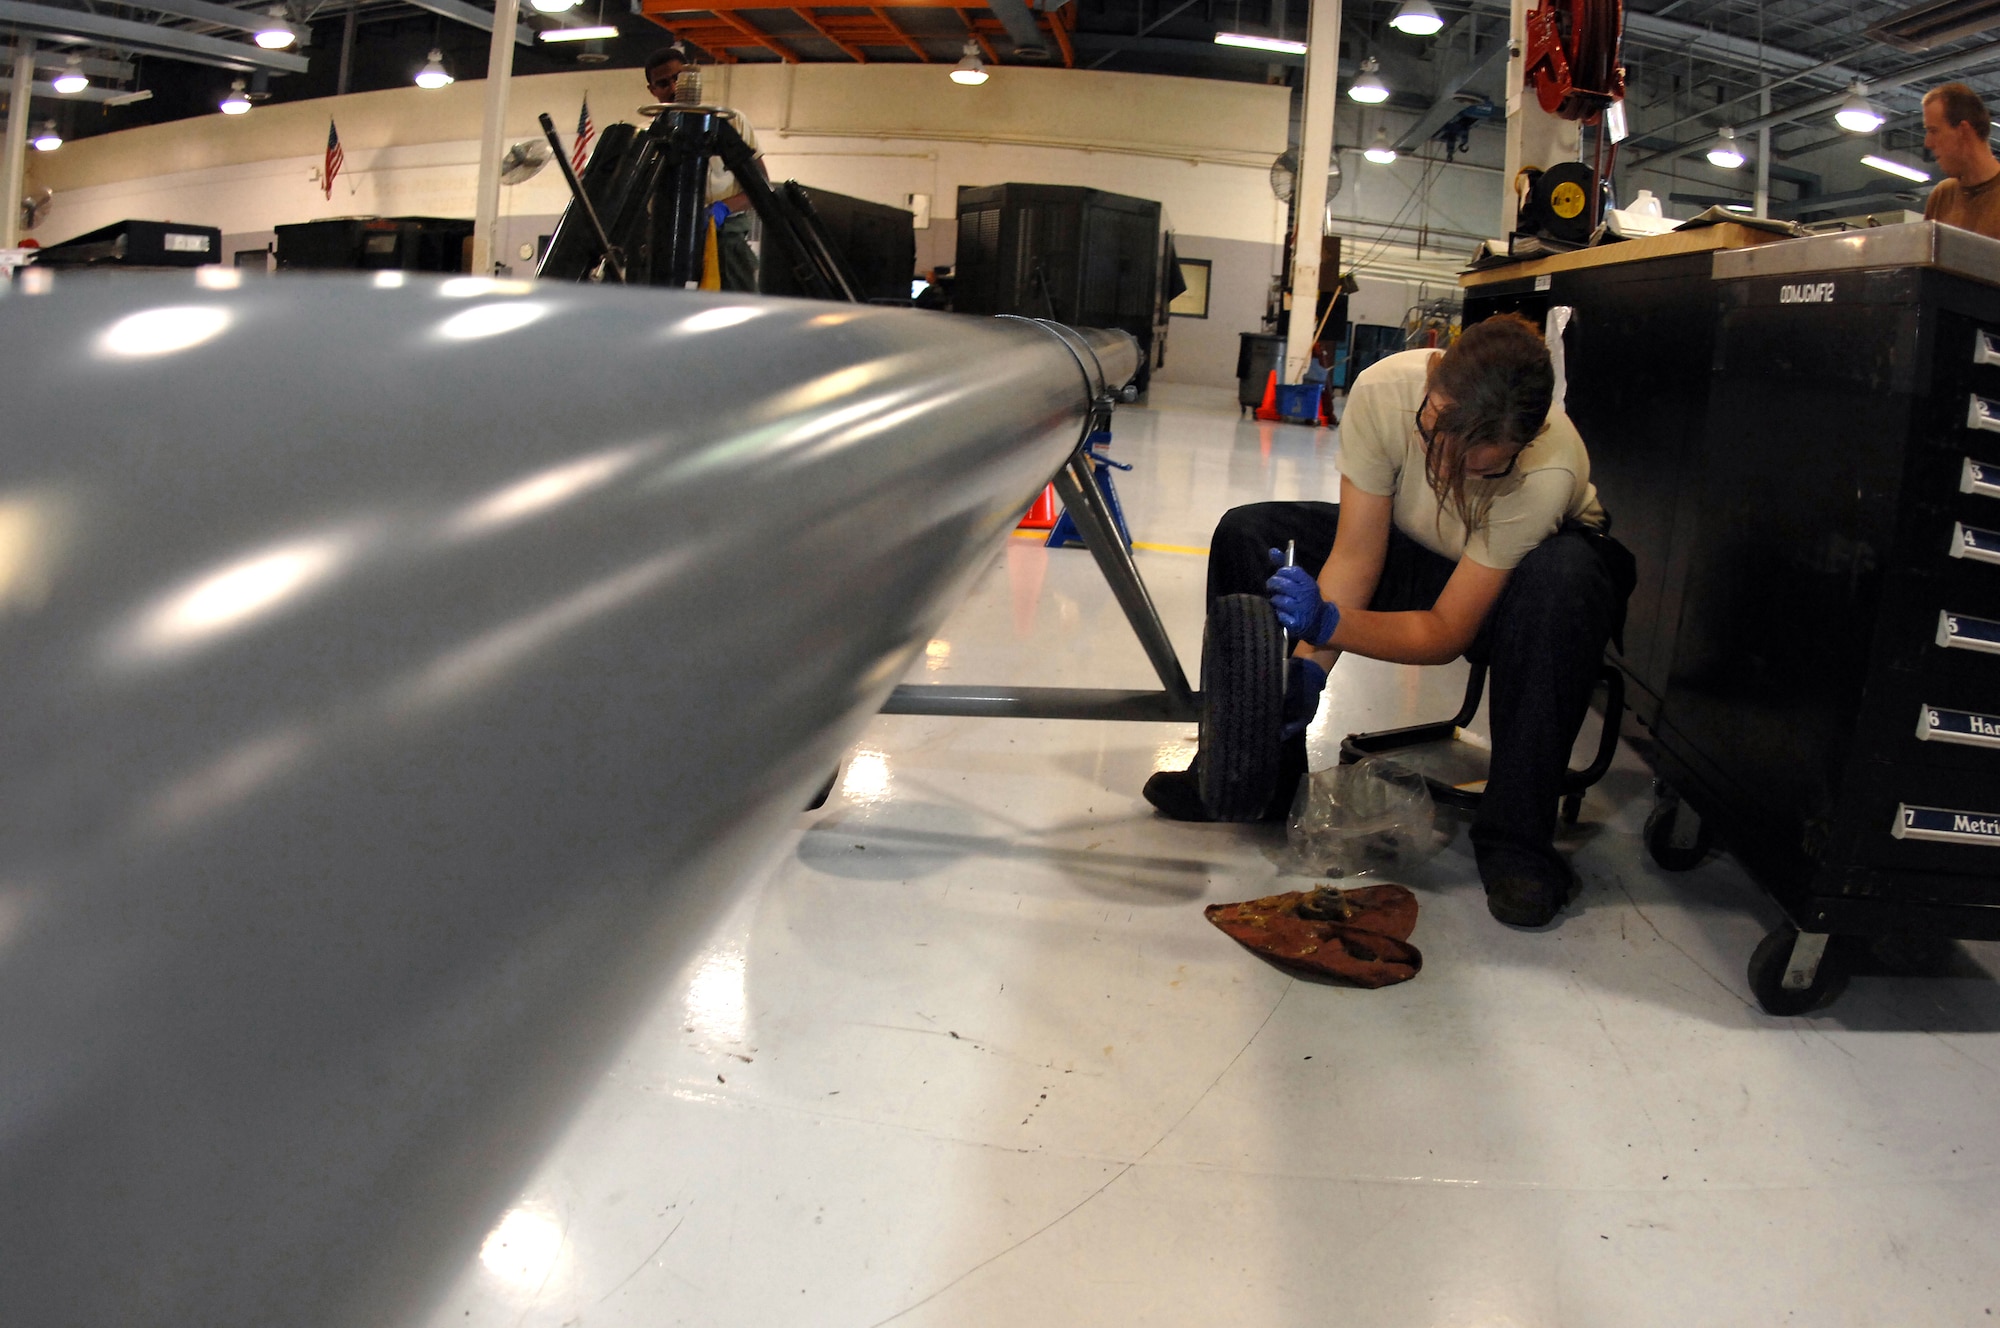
(1926, 718)
(1924, 817)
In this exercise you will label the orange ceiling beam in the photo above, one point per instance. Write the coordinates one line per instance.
(716, 26)
(908, 40)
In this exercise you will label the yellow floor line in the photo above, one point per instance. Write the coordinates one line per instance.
(1194, 550)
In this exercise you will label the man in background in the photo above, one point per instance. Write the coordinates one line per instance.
(728, 206)
(1956, 127)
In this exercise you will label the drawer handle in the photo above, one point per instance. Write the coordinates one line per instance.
(1971, 542)
(1936, 724)
(1985, 347)
(1979, 477)
(1947, 826)
(1958, 631)
(1982, 414)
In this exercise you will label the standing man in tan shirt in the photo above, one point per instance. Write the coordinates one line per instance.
(1956, 126)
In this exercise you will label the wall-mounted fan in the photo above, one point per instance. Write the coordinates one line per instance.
(524, 160)
(1285, 175)
(35, 209)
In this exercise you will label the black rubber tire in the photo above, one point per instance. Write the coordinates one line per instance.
(1766, 973)
(1660, 844)
(1242, 707)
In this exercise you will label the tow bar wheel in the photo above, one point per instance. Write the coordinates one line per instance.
(1242, 707)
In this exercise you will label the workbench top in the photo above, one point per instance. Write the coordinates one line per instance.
(1722, 235)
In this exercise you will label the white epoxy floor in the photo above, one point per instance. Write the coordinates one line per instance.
(971, 1055)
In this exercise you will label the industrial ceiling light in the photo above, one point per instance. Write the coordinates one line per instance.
(1417, 18)
(434, 74)
(1724, 153)
(1857, 115)
(72, 79)
(128, 98)
(604, 33)
(1369, 89)
(1896, 168)
(1379, 151)
(553, 6)
(1251, 41)
(236, 103)
(970, 70)
(275, 34)
(48, 140)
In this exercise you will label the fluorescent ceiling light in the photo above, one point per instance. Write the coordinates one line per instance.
(1896, 168)
(1857, 115)
(127, 98)
(1369, 89)
(72, 78)
(970, 70)
(553, 6)
(1379, 151)
(1417, 18)
(1738, 207)
(236, 103)
(579, 34)
(1725, 153)
(1256, 43)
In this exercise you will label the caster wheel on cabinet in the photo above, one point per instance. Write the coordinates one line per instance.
(1766, 973)
(1676, 838)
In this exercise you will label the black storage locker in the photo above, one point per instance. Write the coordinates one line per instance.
(405, 244)
(137, 244)
(879, 243)
(1079, 256)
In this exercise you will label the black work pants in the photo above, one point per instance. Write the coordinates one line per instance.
(1542, 644)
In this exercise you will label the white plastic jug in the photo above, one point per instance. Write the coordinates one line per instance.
(1645, 205)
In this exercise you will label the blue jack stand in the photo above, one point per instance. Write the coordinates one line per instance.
(1065, 532)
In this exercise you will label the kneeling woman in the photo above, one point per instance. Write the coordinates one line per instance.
(1467, 525)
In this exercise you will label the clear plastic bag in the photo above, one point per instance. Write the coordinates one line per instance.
(1350, 820)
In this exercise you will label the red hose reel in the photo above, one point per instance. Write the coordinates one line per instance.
(1572, 56)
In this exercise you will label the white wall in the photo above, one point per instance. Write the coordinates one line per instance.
(1200, 147)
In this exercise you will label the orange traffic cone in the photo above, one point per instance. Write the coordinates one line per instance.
(1045, 512)
(1269, 410)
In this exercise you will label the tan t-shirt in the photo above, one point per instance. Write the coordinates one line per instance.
(1383, 454)
(1973, 209)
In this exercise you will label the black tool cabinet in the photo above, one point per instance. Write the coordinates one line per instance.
(1818, 627)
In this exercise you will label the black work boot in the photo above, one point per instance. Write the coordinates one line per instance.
(1176, 794)
(1524, 889)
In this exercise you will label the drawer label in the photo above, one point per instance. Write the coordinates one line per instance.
(1972, 542)
(178, 242)
(1980, 478)
(1936, 724)
(1958, 631)
(1947, 826)
(1981, 413)
(1985, 347)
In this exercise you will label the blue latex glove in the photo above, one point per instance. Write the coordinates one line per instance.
(1295, 595)
(1304, 681)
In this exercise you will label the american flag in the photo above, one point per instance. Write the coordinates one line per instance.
(333, 160)
(585, 131)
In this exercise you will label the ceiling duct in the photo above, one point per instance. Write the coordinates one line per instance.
(1922, 27)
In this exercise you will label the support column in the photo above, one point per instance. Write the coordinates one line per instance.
(14, 160)
(1762, 204)
(1321, 95)
(1534, 137)
(347, 48)
(493, 137)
